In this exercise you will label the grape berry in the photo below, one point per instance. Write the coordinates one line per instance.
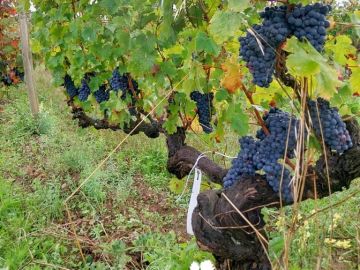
(84, 90)
(309, 22)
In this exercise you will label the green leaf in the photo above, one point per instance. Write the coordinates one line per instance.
(326, 81)
(225, 25)
(110, 5)
(239, 121)
(88, 34)
(355, 19)
(170, 125)
(305, 61)
(301, 62)
(221, 95)
(239, 5)
(276, 245)
(122, 39)
(205, 43)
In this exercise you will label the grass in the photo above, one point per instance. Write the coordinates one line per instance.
(127, 215)
(43, 161)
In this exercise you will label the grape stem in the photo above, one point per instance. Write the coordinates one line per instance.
(257, 114)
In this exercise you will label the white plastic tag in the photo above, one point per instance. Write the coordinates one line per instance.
(193, 200)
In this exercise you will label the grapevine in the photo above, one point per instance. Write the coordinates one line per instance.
(173, 48)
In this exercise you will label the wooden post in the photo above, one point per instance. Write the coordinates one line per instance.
(28, 64)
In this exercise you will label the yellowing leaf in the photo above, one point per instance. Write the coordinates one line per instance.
(355, 79)
(195, 126)
(176, 185)
(232, 79)
(340, 47)
(266, 95)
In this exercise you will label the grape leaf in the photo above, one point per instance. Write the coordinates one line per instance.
(341, 46)
(239, 121)
(205, 43)
(239, 5)
(176, 185)
(225, 25)
(232, 79)
(221, 95)
(305, 61)
(355, 19)
(355, 79)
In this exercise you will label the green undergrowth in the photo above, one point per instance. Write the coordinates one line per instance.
(124, 215)
(325, 234)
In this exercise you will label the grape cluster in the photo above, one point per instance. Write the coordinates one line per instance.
(84, 90)
(309, 22)
(264, 153)
(119, 82)
(273, 147)
(122, 82)
(101, 94)
(336, 136)
(258, 47)
(280, 138)
(243, 164)
(261, 58)
(70, 87)
(204, 108)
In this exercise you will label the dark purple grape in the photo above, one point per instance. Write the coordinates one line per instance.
(121, 82)
(258, 47)
(84, 90)
(264, 154)
(336, 136)
(204, 109)
(70, 87)
(309, 22)
(271, 33)
(101, 94)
